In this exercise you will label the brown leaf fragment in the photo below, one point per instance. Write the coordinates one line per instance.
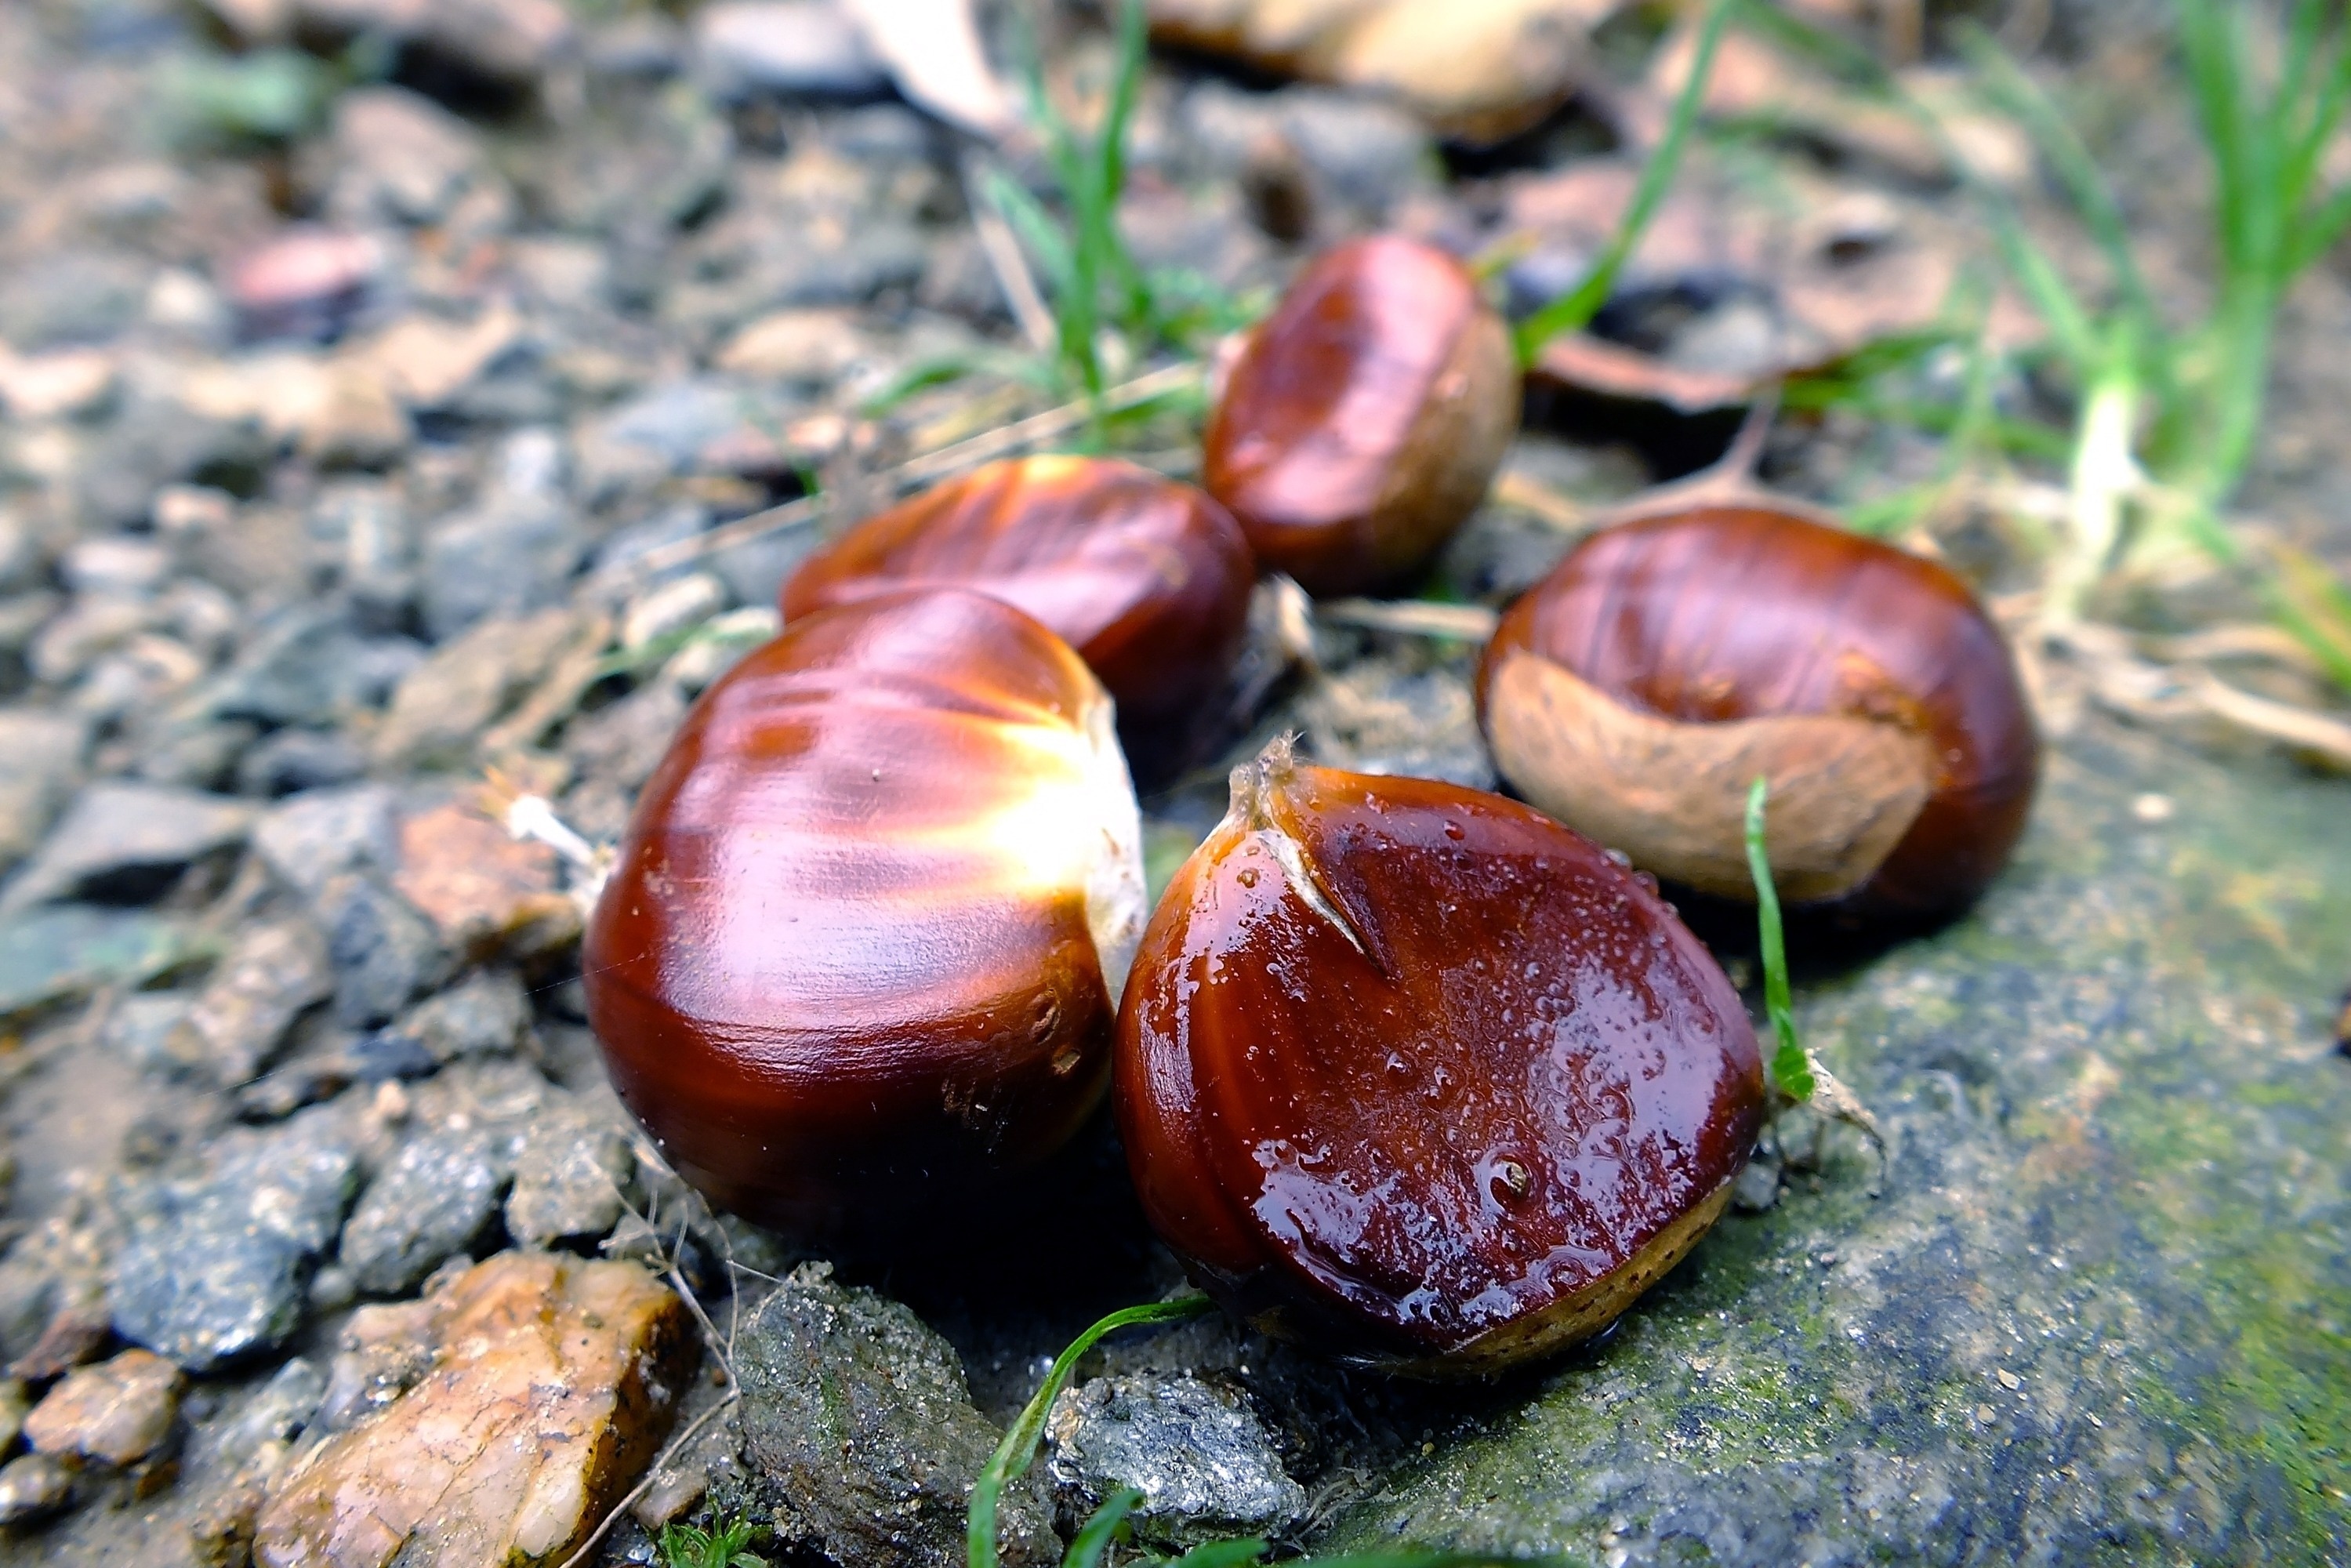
(553, 1386)
(488, 893)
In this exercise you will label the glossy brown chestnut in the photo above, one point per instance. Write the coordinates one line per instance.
(862, 944)
(1148, 579)
(1635, 693)
(1415, 1075)
(1365, 418)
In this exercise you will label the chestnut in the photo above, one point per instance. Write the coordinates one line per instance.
(1413, 1074)
(1638, 690)
(1364, 418)
(1147, 578)
(861, 950)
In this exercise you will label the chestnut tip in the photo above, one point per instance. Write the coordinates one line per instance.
(1415, 1075)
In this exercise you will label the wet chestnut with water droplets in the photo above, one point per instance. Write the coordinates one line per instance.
(1415, 1076)
(1147, 578)
(1365, 418)
(863, 947)
(1638, 690)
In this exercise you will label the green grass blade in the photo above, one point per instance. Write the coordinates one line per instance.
(1236, 1554)
(1093, 1539)
(2021, 99)
(1039, 233)
(1018, 1450)
(1791, 1070)
(2213, 50)
(1573, 312)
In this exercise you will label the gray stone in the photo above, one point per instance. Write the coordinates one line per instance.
(214, 1265)
(2095, 1313)
(432, 1203)
(399, 158)
(1390, 715)
(861, 1434)
(270, 1416)
(511, 42)
(126, 842)
(571, 1179)
(380, 1354)
(788, 48)
(485, 1014)
(237, 1022)
(115, 564)
(310, 666)
(52, 956)
(41, 755)
(138, 1028)
(384, 953)
(1205, 1464)
(295, 760)
(158, 441)
(58, 297)
(316, 837)
(512, 555)
(33, 1487)
(467, 683)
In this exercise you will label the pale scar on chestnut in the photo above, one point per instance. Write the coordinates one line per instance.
(1673, 794)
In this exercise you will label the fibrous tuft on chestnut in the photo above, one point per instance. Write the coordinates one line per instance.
(1637, 692)
(1365, 418)
(1147, 578)
(1415, 1074)
(863, 944)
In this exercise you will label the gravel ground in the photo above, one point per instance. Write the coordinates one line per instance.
(371, 422)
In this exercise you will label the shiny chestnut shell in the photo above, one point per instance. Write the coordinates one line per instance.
(1147, 578)
(1636, 691)
(862, 946)
(1413, 1075)
(1365, 416)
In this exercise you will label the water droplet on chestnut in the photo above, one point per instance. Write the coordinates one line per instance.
(836, 1004)
(1365, 418)
(1601, 1094)
(1147, 578)
(1638, 690)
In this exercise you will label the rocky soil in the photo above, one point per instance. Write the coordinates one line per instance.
(373, 419)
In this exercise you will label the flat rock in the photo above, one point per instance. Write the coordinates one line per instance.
(323, 833)
(552, 1384)
(214, 1264)
(385, 953)
(122, 840)
(788, 48)
(2097, 1313)
(238, 1020)
(431, 1203)
(572, 1177)
(440, 709)
(485, 1014)
(860, 1432)
(33, 1487)
(117, 1412)
(1205, 1463)
(41, 754)
(52, 956)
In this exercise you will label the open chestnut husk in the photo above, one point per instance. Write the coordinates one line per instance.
(1147, 578)
(1638, 690)
(1363, 419)
(861, 951)
(1415, 1075)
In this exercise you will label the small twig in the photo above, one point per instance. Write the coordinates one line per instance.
(1414, 617)
(997, 243)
